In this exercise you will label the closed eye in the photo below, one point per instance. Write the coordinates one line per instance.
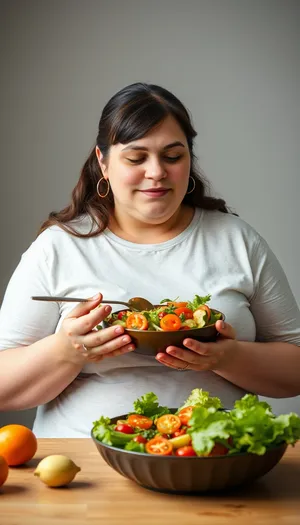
(167, 158)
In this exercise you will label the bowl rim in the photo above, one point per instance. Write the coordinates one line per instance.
(282, 445)
(172, 331)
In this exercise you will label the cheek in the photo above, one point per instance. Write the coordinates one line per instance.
(125, 179)
(180, 175)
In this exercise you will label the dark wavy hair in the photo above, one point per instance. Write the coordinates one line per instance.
(129, 115)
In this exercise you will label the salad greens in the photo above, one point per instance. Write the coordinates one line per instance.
(199, 397)
(148, 405)
(204, 424)
(171, 315)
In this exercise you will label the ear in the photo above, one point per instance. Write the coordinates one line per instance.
(100, 158)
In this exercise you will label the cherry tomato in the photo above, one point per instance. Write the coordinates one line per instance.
(162, 314)
(137, 421)
(185, 327)
(137, 322)
(122, 314)
(168, 423)
(218, 450)
(185, 451)
(159, 445)
(126, 429)
(188, 314)
(179, 432)
(206, 309)
(140, 439)
(170, 322)
(185, 415)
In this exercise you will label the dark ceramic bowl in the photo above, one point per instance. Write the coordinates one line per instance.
(183, 475)
(150, 342)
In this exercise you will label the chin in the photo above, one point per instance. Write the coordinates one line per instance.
(157, 218)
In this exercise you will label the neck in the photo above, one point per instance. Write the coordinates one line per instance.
(133, 230)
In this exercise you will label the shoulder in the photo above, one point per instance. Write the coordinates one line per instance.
(55, 239)
(230, 226)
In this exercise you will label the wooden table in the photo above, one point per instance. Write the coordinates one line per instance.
(99, 495)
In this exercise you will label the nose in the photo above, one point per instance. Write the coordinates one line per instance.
(155, 170)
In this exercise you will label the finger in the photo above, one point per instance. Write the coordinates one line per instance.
(204, 349)
(124, 350)
(100, 337)
(84, 324)
(186, 355)
(175, 362)
(86, 307)
(191, 357)
(226, 330)
(110, 346)
(167, 360)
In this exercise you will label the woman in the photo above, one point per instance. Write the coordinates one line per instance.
(140, 224)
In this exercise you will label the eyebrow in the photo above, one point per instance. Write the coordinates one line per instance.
(143, 148)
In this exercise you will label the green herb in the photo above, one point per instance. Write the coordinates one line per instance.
(198, 301)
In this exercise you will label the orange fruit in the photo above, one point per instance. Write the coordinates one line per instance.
(18, 444)
(3, 471)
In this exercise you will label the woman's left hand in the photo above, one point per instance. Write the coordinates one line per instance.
(202, 356)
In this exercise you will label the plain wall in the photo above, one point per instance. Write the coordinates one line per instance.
(234, 63)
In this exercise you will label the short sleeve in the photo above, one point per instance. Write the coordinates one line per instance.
(273, 304)
(22, 320)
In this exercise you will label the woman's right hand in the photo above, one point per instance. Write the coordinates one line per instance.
(79, 333)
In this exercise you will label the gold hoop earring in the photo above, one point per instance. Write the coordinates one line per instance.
(108, 188)
(194, 185)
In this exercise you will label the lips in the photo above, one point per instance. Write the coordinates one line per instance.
(155, 192)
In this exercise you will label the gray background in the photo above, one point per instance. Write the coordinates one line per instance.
(234, 63)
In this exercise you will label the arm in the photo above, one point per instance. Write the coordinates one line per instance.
(271, 365)
(44, 369)
(37, 364)
(268, 369)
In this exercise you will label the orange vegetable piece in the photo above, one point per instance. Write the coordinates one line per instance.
(170, 322)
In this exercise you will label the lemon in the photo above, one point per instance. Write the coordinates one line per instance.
(56, 470)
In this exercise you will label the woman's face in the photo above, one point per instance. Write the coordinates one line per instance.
(149, 177)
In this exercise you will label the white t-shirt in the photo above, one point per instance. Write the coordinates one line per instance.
(217, 254)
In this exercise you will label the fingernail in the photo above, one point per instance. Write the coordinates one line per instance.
(107, 309)
(126, 339)
(130, 348)
(119, 330)
(223, 325)
(95, 297)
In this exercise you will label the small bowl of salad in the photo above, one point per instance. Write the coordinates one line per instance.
(198, 447)
(169, 323)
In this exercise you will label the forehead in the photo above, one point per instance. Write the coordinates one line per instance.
(166, 132)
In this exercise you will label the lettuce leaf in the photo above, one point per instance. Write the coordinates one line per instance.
(199, 397)
(256, 428)
(134, 446)
(208, 426)
(104, 431)
(148, 405)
